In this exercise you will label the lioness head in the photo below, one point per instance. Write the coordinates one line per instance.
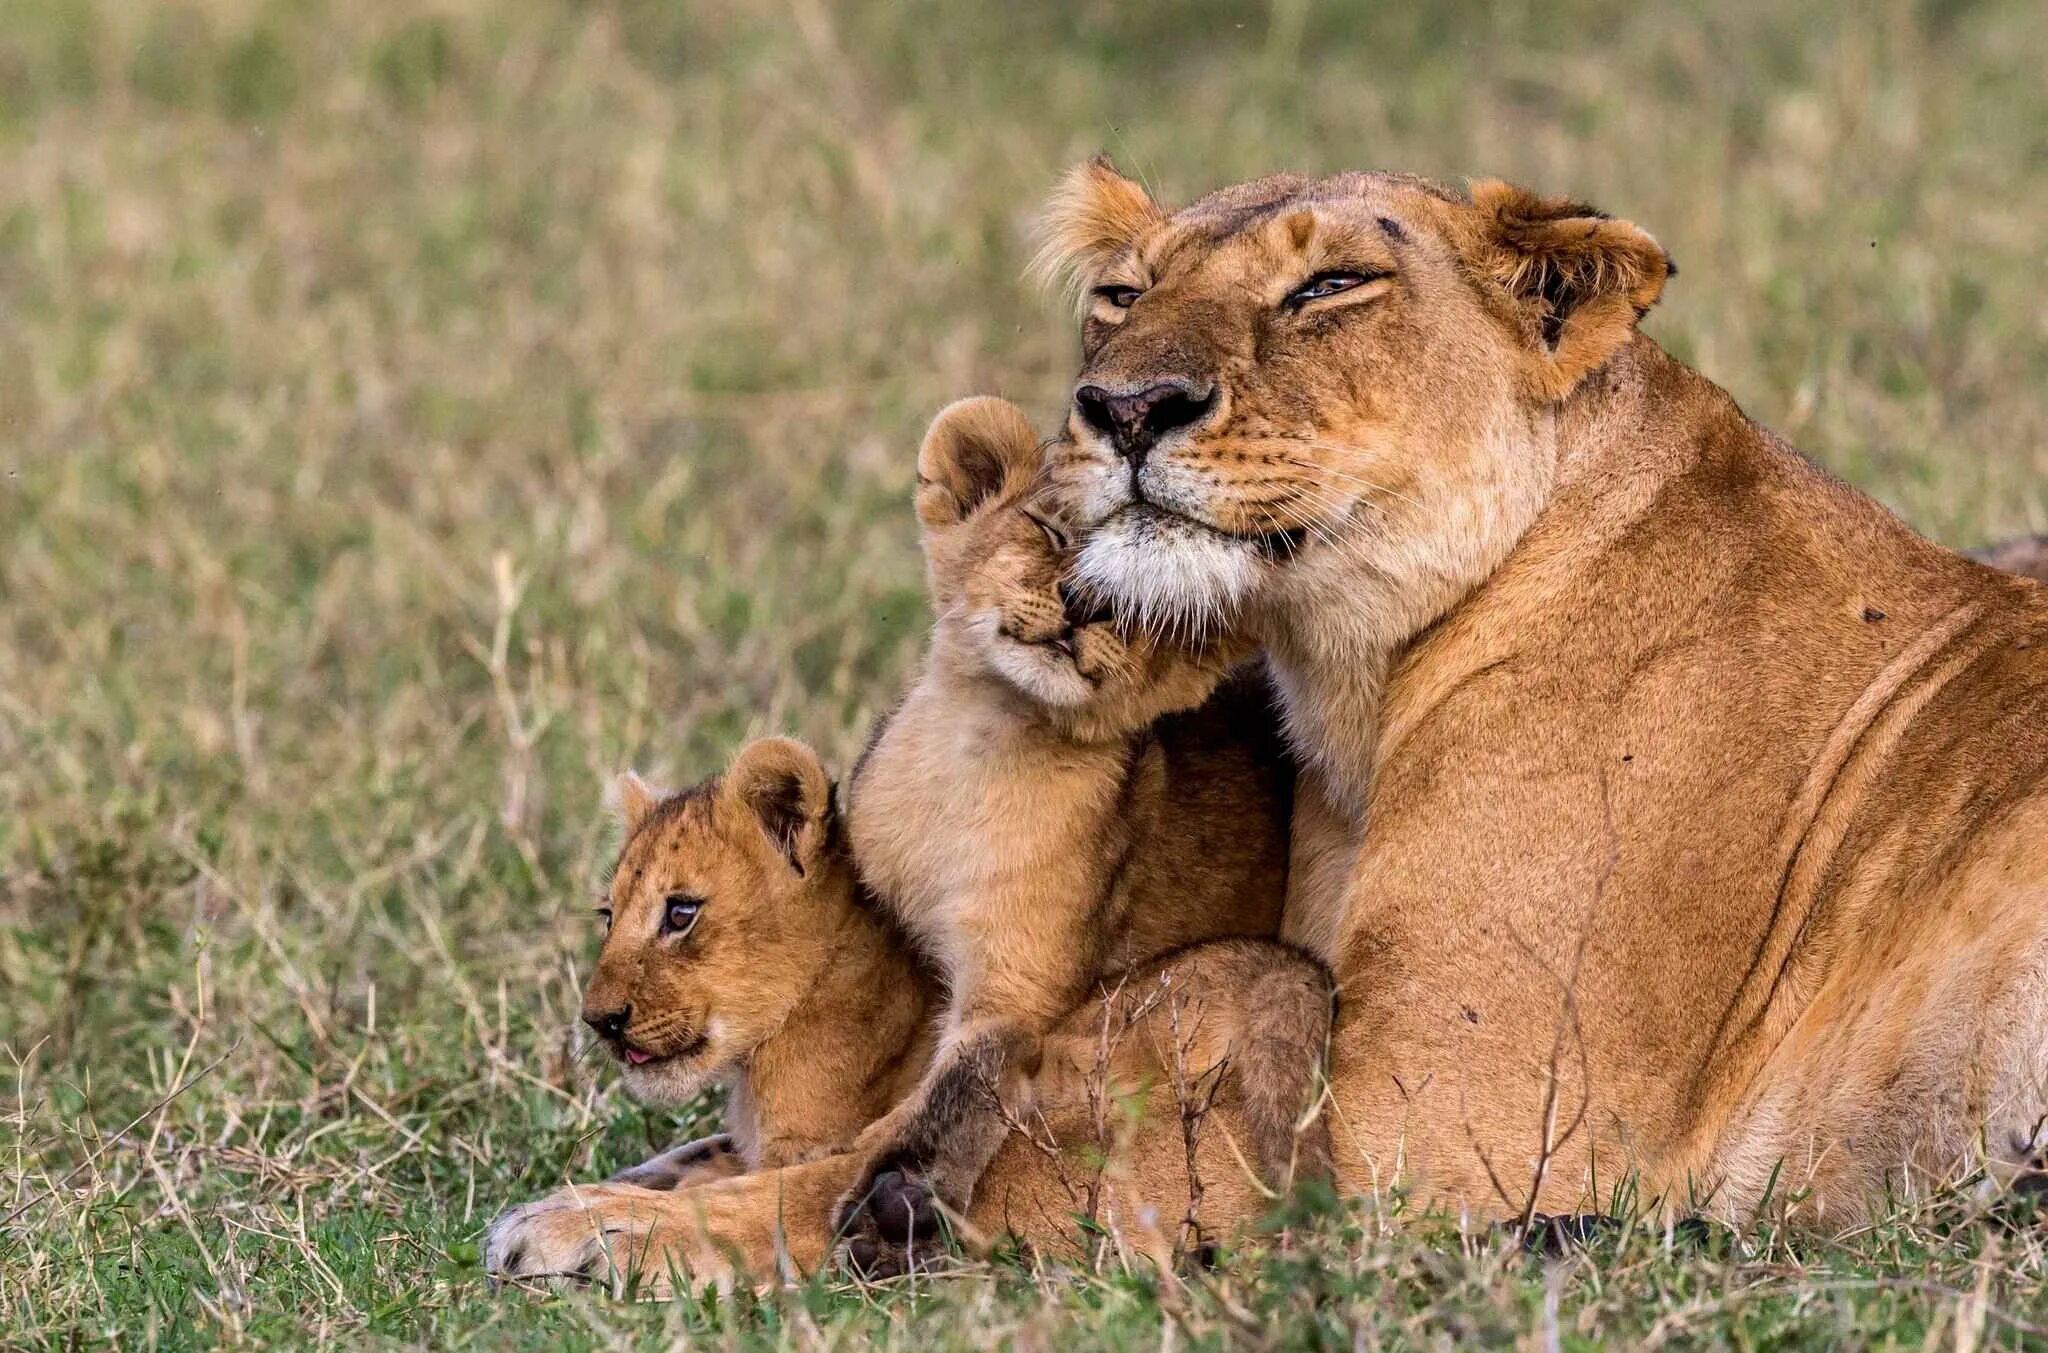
(1297, 369)
(710, 880)
(996, 551)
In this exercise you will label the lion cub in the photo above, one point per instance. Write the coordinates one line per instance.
(741, 949)
(1039, 813)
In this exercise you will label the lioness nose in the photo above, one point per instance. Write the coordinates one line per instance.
(608, 1023)
(1135, 422)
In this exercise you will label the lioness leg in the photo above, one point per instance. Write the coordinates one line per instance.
(1923, 1059)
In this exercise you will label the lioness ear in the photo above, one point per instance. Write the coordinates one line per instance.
(1092, 216)
(634, 800)
(782, 785)
(976, 448)
(1583, 276)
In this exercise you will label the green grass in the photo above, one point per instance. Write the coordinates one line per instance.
(411, 413)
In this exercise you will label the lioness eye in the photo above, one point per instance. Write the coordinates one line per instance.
(605, 914)
(1053, 535)
(681, 914)
(1119, 296)
(1328, 284)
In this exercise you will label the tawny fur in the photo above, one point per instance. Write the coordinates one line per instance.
(1086, 833)
(1706, 801)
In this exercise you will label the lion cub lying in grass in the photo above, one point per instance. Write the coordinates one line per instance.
(739, 948)
(1040, 812)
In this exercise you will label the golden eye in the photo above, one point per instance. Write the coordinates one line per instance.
(1325, 284)
(1122, 297)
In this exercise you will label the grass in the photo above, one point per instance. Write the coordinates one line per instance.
(411, 413)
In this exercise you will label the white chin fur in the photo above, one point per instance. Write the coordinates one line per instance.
(672, 1083)
(1169, 576)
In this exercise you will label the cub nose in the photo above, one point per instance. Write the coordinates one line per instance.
(1082, 607)
(1135, 422)
(609, 1023)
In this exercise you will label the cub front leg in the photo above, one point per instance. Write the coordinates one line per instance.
(758, 1227)
(923, 1160)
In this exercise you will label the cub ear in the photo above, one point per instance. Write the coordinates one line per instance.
(1584, 277)
(634, 800)
(975, 449)
(782, 785)
(1094, 215)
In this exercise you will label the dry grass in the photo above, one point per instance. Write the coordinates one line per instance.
(411, 413)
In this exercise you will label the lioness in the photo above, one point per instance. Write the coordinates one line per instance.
(1702, 801)
(1707, 804)
(1040, 811)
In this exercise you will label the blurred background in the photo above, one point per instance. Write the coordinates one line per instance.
(411, 413)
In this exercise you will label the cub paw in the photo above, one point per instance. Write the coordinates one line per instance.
(570, 1238)
(543, 1242)
(888, 1224)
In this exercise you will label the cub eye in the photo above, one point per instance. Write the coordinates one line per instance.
(605, 914)
(680, 914)
(1054, 536)
(1119, 296)
(1328, 284)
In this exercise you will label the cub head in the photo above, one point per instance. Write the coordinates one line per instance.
(719, 917)
(1295, 374)
(996, 554)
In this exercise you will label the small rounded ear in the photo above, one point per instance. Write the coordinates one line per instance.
(1094, 215)
(1584, 277)
(634, 800)
(782, 785)
(975, 449)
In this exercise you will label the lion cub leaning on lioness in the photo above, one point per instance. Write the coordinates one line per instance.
(1041, 812)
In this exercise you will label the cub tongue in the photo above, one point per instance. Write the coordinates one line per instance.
(636, 1057)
